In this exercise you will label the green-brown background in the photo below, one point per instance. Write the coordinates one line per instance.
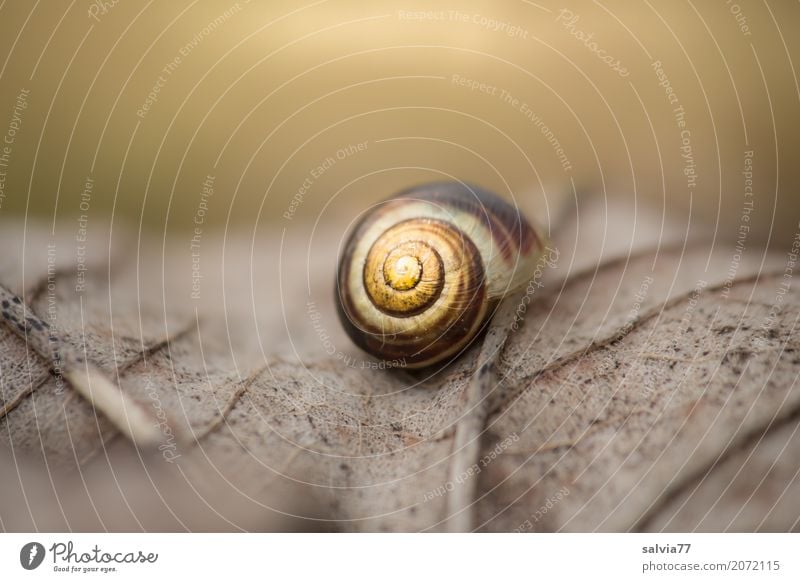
(281, 86)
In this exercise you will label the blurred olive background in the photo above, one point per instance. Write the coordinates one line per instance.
(260, 94)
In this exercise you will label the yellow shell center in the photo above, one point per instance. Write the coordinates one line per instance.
(402, 273)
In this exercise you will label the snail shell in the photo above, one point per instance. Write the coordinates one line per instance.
(422, 272)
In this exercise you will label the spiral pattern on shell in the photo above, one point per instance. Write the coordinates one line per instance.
(422, 272)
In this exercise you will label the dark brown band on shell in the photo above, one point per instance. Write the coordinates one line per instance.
(510, 229)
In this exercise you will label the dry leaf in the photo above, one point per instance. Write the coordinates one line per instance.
(650, 391)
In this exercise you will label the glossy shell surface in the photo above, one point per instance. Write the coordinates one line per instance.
(422, 272)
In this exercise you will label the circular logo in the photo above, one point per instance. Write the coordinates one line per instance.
(31, 555)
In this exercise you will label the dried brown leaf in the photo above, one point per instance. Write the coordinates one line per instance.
(641, 393)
